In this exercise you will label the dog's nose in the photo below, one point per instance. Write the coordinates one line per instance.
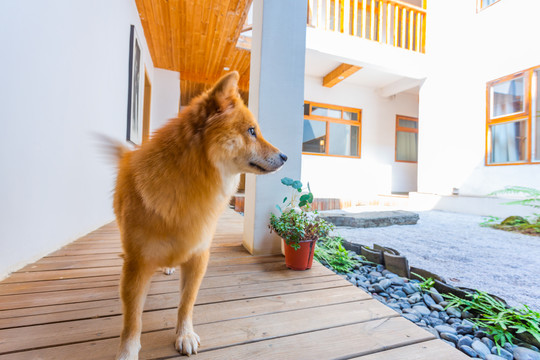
(283, 157)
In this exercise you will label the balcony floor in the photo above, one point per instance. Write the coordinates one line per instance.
(66, 306)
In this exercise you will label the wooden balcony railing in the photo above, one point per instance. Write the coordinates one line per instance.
(390, 22)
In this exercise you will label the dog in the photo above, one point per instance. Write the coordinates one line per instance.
(170, 193)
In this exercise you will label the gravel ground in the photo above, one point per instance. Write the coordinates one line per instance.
(455, 247)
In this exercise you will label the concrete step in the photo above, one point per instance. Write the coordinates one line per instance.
(371, 218)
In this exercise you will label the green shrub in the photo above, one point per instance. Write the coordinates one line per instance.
(330, 251)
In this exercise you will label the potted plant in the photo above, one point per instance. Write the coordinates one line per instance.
(298, 226)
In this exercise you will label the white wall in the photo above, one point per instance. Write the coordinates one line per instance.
(64, 77)
(376, 172)
(165, 97)
(487, 45)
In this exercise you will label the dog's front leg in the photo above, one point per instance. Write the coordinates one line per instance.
(192, 273)
(133, 288)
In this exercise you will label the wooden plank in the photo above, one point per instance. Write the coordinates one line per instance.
(372, 20)
(339, 74)
(432, 349)
(248, 333)
(411, 29)
(418, 31)
(396, 22)
(403, 43)
(171, 298)
(216, 318)
(355, 18)
(319, 14)
(363, 23)
(379, 20)
(423, 34)
(91, 272)
(338, 342)
(66, 264)
(388, 22)
(261, 305)
(167, 284)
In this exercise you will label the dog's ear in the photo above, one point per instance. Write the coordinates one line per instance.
(225, 91)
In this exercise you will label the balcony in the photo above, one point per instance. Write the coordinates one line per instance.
(390, 22)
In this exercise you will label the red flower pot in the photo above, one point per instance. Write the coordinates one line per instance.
(302, 258)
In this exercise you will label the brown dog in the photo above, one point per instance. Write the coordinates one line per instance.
(170, 193)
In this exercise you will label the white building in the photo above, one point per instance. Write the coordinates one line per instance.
(435, 100)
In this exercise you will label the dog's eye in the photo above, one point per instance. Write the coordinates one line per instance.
(251, 131)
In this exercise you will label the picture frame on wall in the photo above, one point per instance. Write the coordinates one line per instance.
(135, 90)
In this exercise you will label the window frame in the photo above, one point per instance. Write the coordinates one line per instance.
(530, 94)
(405, 129)
(329, 120)
(479, 6)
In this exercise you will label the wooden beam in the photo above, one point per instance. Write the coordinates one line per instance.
(339, 74)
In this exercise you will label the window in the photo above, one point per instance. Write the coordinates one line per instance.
(406, 139)
(482, 4)
(331, 130)
(513, 125)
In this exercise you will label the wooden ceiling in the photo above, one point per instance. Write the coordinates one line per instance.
(197, 38)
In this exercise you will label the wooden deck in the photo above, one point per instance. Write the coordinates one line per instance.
(66, 306)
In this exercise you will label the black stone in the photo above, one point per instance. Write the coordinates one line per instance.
(411, 317)
(505, 354)
(522, 353)
(450, 337)
(445, 328)
(464, 329)
(481, 348)
(469, 351)
(488, 342)
(464, 341)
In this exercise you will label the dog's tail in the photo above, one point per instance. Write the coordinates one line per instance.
(111, 148)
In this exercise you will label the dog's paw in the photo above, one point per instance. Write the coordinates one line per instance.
(168, 270)
(187, 343)
(129, 351)
(125, 356)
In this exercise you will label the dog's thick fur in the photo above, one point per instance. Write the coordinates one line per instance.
(170, 193)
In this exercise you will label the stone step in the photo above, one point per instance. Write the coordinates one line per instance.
(371, 218)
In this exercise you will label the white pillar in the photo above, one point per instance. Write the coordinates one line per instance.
(276, 98)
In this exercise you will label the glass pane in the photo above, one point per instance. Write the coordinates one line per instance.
(343, 139)
(306, 109)
(507, 97)
(314, 136)
(349, 115)
(508, 142)
(406, 146)
(321, 111)
(408, 124)
(486, 3)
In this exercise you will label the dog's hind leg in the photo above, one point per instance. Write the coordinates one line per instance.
(192, 273)
(133, 289)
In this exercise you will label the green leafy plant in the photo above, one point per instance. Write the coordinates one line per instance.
(296, 222)
(426, 284)
(497, 318)
(490, 221)
(529, 225)
(532, 195)
(330, 251)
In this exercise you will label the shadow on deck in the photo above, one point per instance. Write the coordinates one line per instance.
(66, 306)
